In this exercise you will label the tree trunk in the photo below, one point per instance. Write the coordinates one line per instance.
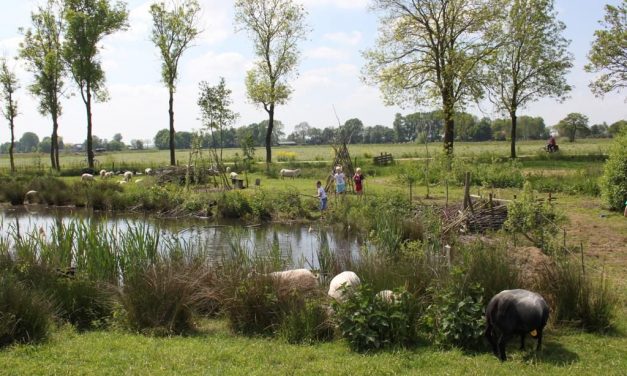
(269, 136)
(449, 129)
(90, 149)
(171, 112)
(514, 122)
(54, 142)
(12, 146)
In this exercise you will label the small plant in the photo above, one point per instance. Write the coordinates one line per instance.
(369, 322)
(25, 315)
(306, 322)
(455, 316)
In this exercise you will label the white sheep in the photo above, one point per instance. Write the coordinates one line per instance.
(349, 280)
(87, 177)
(138, 181)
(128, 175)
(301, 280)
(289, 173)
(233, 175)
(122, 182)
(108, 174)
(388, 296)
(103, 174)
(149, 171)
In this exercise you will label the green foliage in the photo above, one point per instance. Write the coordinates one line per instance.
(25, 315)
(83, 303)
(455, 316)
(583, 182)
(52, 191)
(369, 322)
(614, 180)
(580, 299)
(607, 55)
(572, 125)
(306, 321)
(160, 298)
(233, 204)
(13, 191)
(537, 220)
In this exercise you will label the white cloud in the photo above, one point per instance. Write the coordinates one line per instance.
(326, 53)
(9, 46)
(231, 65)
(352, 39)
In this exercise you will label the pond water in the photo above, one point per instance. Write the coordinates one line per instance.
(300, 242)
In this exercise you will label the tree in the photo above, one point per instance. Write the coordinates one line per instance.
(614, 180)
(533, 62)
(137, 144)
(573, 124)
(45, 145)
(173, 32)
(276, 27)
(41, 49)
(352, 131)
(432, 50)
(28, 142)
(608, 55)
(8, 87)
(162, 139)
(599, 130)
(302, 132)
(214, 102)
(617, 127)
(88, 22)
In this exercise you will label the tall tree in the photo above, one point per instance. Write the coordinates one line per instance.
(8, 87)
(533, 62)
(432, 50)
(608, 55)
(214, 103)
(88, 22)
(41, 49)
(276, 27)
(173, 31)
(573, 124)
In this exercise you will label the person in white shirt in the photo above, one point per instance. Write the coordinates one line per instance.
(340, 180)
(322, 195)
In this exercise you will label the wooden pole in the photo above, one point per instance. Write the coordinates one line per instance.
(583, 266)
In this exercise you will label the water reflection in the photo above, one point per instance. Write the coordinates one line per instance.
(300, 242)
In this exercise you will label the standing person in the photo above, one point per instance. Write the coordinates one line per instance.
(322, 195)
(359, 181)
(340, 181)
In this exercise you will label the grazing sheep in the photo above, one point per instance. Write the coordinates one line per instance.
(149, 171)
(87, 177)
(122, 182)
(128, 175)
(348, 279)
(103, 173)
(301, 280)
(108, 174)
(228, 169)
(30, 196)
(233, 175)
(513, 312)
(289, 173)
(138, 181)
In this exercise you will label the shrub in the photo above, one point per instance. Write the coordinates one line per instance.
(614, 179)
(160, 299)
(51, 191)
(83, 303)
(306, 322)
(579, 299)
(13, 191)
(370, 323)
(233, 204)
(455, 316)
(25, 315)
(537, 221)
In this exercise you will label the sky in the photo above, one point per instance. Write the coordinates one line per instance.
(329, 73)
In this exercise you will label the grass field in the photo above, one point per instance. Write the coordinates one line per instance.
(314, 153)
(214, 351)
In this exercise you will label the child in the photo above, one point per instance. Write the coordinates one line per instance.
(322, 195)
(359, 180)
(340, 183)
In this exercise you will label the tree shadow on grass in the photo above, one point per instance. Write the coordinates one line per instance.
(552, 353)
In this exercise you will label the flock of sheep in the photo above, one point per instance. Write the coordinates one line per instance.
(127, 175)
(509, 313)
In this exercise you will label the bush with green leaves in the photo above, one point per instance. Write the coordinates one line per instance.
(25, 314)
(455, 316)
(538, 221)
(369, 322)
(234, 204)
(614, 179)
(306, 322)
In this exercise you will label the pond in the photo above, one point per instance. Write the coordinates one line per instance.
(298, 241)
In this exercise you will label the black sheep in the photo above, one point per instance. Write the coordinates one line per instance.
(512, 312)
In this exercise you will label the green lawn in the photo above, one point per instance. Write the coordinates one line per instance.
(314, 153)
(214, 350)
